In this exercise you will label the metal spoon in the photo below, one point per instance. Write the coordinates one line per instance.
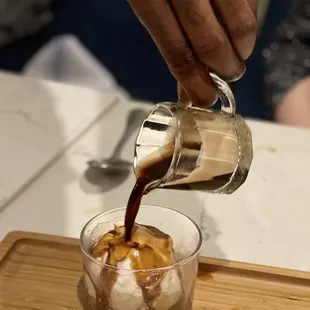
(114, 164)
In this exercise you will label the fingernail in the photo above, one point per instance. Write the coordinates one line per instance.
(247, 46)
(239, 75)
(233, 72)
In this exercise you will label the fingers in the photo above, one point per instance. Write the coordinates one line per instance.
(159, 19)
(191, 39)
(240, 23)
(253, 5)
(208, 38)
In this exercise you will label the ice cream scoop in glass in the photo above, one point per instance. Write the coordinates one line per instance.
(155, 270)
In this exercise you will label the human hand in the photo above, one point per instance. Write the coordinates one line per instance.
(191, 39)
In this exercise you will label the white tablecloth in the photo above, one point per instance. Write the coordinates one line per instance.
(265, 222)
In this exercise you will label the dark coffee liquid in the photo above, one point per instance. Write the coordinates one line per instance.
(156, 170)
(149, 173)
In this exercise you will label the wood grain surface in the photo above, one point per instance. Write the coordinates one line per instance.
(44, 272)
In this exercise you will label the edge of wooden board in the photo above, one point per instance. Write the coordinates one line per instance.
(14, 236)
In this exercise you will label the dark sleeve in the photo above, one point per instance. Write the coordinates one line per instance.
(287, 60)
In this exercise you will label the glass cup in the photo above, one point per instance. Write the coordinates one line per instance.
(174, 289)
(206, 149)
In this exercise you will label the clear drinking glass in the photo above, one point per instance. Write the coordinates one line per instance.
(175, 288)
(210, 150)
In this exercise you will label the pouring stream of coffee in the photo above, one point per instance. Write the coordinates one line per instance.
(154, 170)
(149, 173)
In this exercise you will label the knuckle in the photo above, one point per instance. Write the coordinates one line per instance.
(213, 44)
(181, 61)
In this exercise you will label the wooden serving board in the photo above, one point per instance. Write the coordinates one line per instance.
(44, 272)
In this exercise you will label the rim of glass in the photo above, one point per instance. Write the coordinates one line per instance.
(170, 267)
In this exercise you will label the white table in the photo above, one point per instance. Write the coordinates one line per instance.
(265, 222)
(38, 120)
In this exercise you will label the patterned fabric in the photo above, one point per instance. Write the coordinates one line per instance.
(287, 60)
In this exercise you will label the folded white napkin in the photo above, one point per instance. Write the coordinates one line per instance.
(65, 59)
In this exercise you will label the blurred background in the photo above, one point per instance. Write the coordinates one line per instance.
(112, 34)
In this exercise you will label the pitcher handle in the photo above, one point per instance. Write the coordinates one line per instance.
(228, 103)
